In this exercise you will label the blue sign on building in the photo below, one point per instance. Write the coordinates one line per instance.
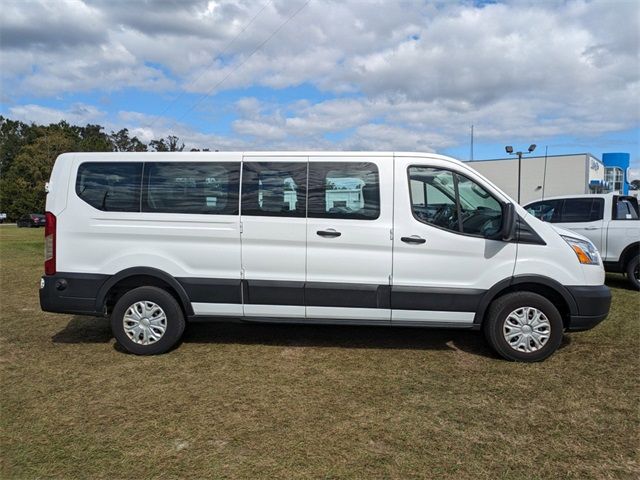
(617, 171)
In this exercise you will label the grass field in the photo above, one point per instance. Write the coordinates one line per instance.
(248, 401)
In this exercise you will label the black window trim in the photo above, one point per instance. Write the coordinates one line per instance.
(455, 182)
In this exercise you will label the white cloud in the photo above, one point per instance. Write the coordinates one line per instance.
(78, 114)
(403, 74)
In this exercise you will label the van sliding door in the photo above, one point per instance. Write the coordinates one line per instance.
(350, 216)
(273, 237)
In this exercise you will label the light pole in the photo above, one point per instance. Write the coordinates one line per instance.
(509, 150)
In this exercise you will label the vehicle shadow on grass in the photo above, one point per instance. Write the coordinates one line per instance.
(82, 329)
(97, 330)
(617, 280)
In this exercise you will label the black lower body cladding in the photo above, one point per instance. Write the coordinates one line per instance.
(593, 303)
(84, 294)
(71, 293)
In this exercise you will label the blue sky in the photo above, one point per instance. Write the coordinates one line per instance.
(361, 75)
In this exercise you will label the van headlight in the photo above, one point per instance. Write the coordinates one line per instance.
(585, 250)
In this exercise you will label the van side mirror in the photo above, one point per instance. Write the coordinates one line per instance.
(509, 216)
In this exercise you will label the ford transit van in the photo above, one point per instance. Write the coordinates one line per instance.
(157, 240)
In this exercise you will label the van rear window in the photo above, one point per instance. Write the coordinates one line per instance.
(160, 187)
(110, 186)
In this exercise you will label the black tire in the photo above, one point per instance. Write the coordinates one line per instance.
(174, 320)
(632, 271)
(500, 310)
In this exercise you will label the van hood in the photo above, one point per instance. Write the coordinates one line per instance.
(569, 233)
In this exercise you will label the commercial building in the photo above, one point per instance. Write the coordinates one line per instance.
(548, 176)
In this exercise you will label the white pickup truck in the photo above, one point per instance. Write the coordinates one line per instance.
(610, 221)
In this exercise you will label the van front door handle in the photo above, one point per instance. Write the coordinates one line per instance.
(590, 228)
(329, 233)
(413, 239)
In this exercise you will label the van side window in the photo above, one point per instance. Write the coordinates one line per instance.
(347, 190)
(433, 197)
(274, 189)
(110, 186)
(546, 210)
(209, 188)
(453, 202)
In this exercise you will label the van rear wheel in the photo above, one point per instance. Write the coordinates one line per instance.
(523, 327)
(147, 321)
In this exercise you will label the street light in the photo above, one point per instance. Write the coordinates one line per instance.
(509, 150)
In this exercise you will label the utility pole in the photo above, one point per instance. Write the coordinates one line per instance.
(471, 155)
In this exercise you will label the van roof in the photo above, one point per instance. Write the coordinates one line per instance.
(261, 153)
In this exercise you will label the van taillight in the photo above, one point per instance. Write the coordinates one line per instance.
(50, 244)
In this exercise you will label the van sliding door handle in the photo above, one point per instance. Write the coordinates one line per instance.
(329, 233)
(413, 239)
(590, 228)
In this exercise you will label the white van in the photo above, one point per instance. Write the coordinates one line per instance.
(370, 238)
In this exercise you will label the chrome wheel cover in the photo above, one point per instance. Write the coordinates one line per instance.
(144, 323)
(526, 329)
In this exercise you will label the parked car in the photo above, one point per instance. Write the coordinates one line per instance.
(3, 217)
(154, 240)
(610, 221)
(32, 220)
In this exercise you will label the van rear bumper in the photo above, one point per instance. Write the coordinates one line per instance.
(593, 303)
(73, 293)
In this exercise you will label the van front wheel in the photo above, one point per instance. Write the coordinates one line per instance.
(523, 327)
(147, 321)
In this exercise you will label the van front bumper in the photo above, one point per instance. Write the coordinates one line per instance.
(593, 303)
(71, 293)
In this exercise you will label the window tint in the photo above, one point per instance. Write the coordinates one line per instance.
(597, 209)
(546, 210)
(625, 210)
(191, 187)
(453, 202)
(110, 186)
(577, 210)
(348, 190)
(433, 197)
(274, 189)
(480, 213)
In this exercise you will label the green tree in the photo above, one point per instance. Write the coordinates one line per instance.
(122, 142)
(93, 139)
(22, 185)
(169, 144)
(13, 136)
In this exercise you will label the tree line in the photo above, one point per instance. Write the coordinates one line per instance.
(28, 151)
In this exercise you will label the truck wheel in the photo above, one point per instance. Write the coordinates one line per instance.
(147, 321)
(523, 327)
(633, 272)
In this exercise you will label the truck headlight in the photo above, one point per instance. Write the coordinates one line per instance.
(585, 250)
